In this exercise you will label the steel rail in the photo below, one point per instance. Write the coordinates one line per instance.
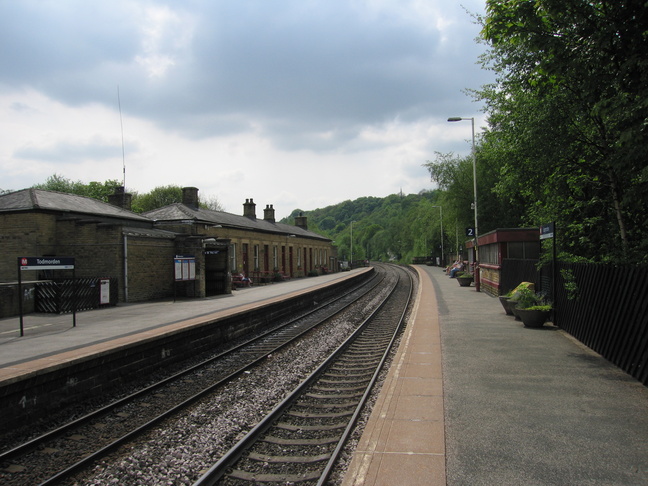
(349, 429)
(366, 287)
(59, 431)
(218, 470)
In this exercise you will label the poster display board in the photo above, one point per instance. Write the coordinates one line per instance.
(185, 268)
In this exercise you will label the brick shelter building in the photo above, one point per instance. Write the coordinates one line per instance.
(495, 246)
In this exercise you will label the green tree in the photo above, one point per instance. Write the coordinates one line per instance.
(158, 197)
(161, 196)
(567, 116)
(93, 189)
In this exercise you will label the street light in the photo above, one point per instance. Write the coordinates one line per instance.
(352, 243)
(474, 157)
(441, 211)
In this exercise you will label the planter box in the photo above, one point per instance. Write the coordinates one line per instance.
(506, 304)
(533, 318)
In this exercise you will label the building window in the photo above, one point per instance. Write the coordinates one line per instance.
(524, 250)
(299, 257)
(275, 261)
(256, 257)
(488, 253)
(233, 258)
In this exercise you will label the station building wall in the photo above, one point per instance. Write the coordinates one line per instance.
(150, 268)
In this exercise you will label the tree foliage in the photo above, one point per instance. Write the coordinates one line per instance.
(567, 118)
(93, 189)
(158, 197)
(395, 228)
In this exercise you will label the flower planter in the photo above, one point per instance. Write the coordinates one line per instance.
(464, 281)
(506, 304)
(533, 318)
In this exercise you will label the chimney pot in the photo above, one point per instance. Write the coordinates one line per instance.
(121, 198)
(190, 197)
(301, 221)
(269, 213)
(249, 209)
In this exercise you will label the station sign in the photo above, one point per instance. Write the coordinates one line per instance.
(546, 231)
(46, 263)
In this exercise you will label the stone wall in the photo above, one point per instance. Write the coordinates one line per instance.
(25, 234)
(150, 268)
(489, 276)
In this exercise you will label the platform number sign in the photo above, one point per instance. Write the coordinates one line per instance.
(470, 232)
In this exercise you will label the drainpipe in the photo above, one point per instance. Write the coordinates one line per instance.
(125, 268)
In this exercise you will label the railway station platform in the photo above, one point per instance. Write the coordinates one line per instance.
(50, 338)
(474, 398)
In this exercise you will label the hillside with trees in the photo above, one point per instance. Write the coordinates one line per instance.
(395, 228)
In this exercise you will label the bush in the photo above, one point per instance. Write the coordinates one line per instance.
(528, 299)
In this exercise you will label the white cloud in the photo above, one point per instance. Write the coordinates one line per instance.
(166, 37)
(297, 104)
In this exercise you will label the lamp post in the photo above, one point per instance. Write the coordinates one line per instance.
(441, 216)
(351, 263)
(474, 157)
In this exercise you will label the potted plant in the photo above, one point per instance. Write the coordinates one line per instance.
(532, 309)
(510, 300)
(505, 300)
(464, 279)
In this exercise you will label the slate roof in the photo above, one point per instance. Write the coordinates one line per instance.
(39, 199)
(180, 212)
(148, 233)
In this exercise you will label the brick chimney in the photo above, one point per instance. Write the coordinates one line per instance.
(249, 209)
(120, 198)
(269, 213)
(301, 221)
(190, 197)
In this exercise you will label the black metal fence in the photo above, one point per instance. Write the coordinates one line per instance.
(603, 306)
(59, 296)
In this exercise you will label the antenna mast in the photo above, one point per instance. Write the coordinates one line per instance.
(121, 123)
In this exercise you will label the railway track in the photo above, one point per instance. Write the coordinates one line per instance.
(300, 440)
(59, 454)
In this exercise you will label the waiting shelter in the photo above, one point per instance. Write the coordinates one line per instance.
(499, 244)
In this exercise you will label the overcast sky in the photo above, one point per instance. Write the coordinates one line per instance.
(295, 103)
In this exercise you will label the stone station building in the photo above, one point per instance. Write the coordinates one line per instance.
(140, 251)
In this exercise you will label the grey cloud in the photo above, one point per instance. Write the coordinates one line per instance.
(294, 68)
(75, 152)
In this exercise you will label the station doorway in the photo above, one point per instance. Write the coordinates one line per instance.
(216, 272)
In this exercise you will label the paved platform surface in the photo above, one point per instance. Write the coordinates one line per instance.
(474, 398)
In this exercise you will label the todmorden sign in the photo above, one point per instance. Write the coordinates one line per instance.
(46, 263)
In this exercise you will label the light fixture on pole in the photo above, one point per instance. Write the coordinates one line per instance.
(441, 216)
(474, 157)
(351, 263)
